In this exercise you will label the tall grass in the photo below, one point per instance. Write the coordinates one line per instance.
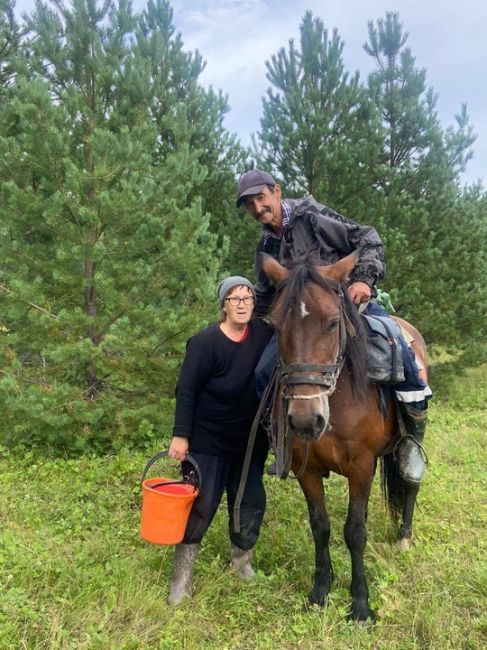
(75, 574)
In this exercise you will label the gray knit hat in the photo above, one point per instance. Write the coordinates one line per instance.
(230, 283)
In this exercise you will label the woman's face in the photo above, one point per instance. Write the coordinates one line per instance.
(239, 314)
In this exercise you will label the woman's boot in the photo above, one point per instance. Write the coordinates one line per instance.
(181, 585)
(242, 562)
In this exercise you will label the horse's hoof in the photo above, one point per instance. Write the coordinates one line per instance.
(316, 599)
(361, 614)
(404, 543)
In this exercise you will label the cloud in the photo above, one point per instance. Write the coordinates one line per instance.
(220, 19)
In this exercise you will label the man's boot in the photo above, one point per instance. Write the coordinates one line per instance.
(181, 584)
(242, 562)
(410, 453)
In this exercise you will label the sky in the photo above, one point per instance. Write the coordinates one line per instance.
(235, 37)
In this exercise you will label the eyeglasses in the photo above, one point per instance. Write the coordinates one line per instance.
(235, 300)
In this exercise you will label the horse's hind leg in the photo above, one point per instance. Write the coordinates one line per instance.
(401, 498)
(405, 536)
(312, 486)
(355, 531)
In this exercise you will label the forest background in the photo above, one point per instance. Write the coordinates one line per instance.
(117, 205)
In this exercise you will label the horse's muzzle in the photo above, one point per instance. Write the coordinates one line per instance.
(308, 421)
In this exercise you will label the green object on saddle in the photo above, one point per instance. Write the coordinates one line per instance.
(384, 299)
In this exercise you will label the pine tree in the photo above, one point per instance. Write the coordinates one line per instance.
(199, 120)
(9, 41)
(319, 131)
(416, 149)
(399, 89)
(419, 191)
(109, 263)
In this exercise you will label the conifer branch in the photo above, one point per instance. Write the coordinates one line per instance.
(31, 304)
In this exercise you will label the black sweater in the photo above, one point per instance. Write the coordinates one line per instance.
(215, 395)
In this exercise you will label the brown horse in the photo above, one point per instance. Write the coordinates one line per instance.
(333, 412)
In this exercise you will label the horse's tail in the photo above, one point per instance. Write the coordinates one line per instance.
(393, 486)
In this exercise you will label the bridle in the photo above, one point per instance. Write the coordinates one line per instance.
(296, 374)
(304, 374)
(318, 374)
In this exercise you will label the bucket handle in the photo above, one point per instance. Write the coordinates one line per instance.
(163, 454)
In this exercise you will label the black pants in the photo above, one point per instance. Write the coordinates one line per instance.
(221, 474)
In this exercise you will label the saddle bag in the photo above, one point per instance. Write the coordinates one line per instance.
(384, 352)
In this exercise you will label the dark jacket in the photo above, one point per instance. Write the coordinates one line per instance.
(318, 231)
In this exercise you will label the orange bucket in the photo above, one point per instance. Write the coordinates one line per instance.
(166, 504)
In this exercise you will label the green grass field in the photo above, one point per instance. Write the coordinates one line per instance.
(74, 572)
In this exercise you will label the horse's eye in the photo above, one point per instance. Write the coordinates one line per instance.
(333, 325)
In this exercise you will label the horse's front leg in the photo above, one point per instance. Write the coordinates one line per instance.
(312, 486)
(355, 531)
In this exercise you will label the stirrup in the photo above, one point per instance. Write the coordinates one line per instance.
(418, 444)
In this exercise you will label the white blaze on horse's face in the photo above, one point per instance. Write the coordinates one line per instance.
(303, 310)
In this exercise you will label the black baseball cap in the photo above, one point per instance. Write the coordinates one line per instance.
(253, 182)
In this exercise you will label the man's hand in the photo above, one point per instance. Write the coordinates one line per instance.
(178, 448)
(359, 292)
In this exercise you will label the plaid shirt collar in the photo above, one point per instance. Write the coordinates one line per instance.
(286, 217)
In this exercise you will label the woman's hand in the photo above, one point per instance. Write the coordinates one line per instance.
(178, 448)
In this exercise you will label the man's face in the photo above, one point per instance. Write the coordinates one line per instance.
(266, 207)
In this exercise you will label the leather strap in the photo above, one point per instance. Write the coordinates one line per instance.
(249, 450)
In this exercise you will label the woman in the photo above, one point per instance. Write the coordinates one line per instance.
(216, 403)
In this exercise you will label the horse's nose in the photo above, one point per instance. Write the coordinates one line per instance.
(309, 427)
(320, 424)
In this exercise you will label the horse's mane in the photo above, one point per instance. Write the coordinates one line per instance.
(303, 272)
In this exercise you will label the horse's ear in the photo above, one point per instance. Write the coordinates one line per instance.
(341, 269)
(271, 267)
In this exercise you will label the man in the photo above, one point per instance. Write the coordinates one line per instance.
(292, 228)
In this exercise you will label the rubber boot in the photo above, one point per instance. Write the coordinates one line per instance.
(242, 562)
(181, 584)
(410, 453)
